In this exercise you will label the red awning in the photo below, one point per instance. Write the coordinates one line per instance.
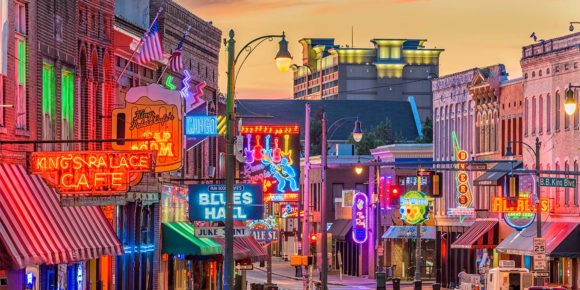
(246, 247)
(35, 229)
(473, 238)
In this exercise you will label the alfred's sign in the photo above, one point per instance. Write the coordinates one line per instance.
(96, 172)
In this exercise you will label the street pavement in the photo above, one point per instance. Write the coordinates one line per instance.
(283, 276)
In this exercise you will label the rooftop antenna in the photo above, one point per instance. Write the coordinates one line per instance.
(352, 36)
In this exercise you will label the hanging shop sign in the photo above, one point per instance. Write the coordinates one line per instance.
(208, 202)
(201, 125)
(264, 230)
(151, 112)
(91, 172)
(464, 196)
(218, 232)
(272, 159)
(414, 207)
(288, 210)
(360, 218)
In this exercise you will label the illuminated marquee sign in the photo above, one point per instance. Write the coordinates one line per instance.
(208, 202)
(288, 210)
(520, 213)
(272, 159)
(414, 207)
(152, 112)
(94, 172)
(360, 218)
(264, 230)
(201, 125)
(464, 197)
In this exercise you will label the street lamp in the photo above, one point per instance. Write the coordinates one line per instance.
(357, 133)
(357, 168)
(570, 103)
(282, 62)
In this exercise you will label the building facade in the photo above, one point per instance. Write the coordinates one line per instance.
(548, 68)
(511, 115)
(394, 69)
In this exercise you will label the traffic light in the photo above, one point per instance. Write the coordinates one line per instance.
(436, 184)
(313, 240)
(513, 185)
(396, 191)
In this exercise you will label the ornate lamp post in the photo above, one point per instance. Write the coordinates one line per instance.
(283, 61)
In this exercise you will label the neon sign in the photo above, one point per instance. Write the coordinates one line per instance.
(264, 230)
(414, 207)
(169, 82)
(520, 205)
(201, 125)
(464, 196)
(272, 158)
(520, 213)
(98, 172)
(208, 202)
(289, 210)
(30, 280)
(152, 112)
(360, 218)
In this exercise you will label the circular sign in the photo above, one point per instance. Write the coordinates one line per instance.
(462, 188)
(462, 155)
(414, 207)
(520, 221)
(462, 176)
(463, 199)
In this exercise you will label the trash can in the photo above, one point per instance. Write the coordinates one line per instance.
(436, 286)
(417, 285)
(396, 283)
(381, 280)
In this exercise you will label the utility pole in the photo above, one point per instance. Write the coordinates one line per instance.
(306, 187)
(380, 275)
(323, 211)
(417, 280)
(538, 207)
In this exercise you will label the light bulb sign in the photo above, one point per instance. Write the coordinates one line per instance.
(360, 218)
(91, 172)
(414, 207)
(464, 196)
(520, 212)
(156, 113)
(207, 202)
(272, 159)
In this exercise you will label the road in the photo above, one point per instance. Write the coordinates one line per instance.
(259, 276)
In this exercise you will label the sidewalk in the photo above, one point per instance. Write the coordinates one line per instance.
(283, 269)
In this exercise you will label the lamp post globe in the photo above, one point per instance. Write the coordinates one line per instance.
(570, 103)
(283, 57)
(357, 133)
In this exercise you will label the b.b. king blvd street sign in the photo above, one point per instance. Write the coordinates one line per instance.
(557, 182)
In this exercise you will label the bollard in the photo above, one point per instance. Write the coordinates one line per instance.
(396, 283)
(381, 280)
(417, 285)
(436, 286)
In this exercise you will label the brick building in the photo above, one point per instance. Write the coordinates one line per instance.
(511, 115)
(548, 68)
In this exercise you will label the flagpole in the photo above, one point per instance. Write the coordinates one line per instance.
(139, 45)
(180, 41)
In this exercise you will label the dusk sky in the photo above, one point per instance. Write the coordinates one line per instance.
(472, 32)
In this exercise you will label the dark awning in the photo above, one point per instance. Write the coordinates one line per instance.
(493, 177)
(561, 240)
(340, 229)
(409, 232)
(474, 238)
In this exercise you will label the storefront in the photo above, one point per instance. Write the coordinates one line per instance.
(402, 242)
(46, 246)
(189, 262)
(561, 247)
(345, 251)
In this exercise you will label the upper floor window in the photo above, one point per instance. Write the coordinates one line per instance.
(67, 106)
(526, 116)
(20, 91)
(548, 113)
(20, 17)
(48, 103)
(540, 114)
(557, 106)
(533, 115)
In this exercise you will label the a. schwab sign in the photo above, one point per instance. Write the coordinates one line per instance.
(207, 202)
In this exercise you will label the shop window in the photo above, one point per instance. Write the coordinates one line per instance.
(67, 106)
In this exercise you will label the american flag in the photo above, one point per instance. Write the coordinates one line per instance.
(175, 62)
(151, 48)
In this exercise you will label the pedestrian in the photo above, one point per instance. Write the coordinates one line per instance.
(463, 272)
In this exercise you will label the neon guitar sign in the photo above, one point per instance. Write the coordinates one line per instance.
(271, 154)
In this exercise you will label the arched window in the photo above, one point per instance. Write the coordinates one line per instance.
(540, 114)
(526, 117)
(548, 113)
(533, 115)
(557, 109)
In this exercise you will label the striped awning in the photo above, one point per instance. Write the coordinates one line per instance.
(35, 229)
(246, 248)
(240, 251)
(481, 234)
(179, 238)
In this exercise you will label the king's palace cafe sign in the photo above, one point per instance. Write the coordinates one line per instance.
(91, 172)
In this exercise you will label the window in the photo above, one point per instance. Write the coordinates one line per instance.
(548, 71)
(548, 113)
(48, 104)
(526, 116)
(336, 193)
(533, 74)
(20, 18)
(541, 114)
(20, 91)
(557, 111)
(566, 121)
(540, 73)
(67, 106)
(576, 113)
(533, 115)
